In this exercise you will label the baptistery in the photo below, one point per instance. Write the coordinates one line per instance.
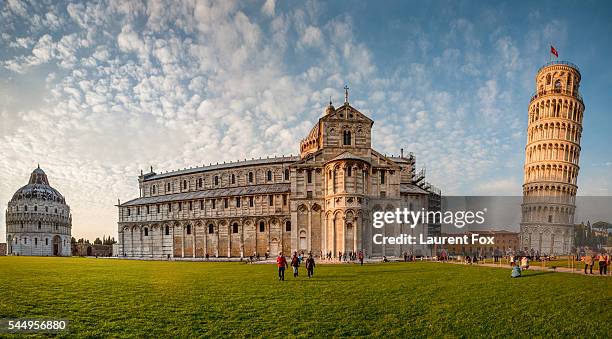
(38, 220)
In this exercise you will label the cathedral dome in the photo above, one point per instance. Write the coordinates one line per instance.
(38, 188)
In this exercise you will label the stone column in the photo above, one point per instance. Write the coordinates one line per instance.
(356, 233)
(183, 241)
(309, 240)
(229, 240)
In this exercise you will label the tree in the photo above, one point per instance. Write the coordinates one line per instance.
(98, 241)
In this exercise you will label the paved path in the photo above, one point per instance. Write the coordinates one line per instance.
(538, 267)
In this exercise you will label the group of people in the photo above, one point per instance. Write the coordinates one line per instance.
(296, 260)
(603, 260)
(346, 256)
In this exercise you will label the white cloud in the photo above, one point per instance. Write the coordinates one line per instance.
(268, 7)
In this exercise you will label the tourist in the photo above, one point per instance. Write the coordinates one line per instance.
(281, 262)
(361, 258)
(588, 263)
(516, 271)
(524, 263)
(310, 265)
(602, 264)
(295, 263)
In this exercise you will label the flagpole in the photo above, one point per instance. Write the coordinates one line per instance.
(550, 52)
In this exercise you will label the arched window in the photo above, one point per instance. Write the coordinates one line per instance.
(168, 187)
(146, 232)
(262, 226)
(250, 176)
(216, 180)
(548, 79)
(154, 189)
(188, 229)
(25, 208)
(309, 176)
(558, 86)
(286, 174)
(39, 225)
(211, 229)
(184, 184)
(235, 228)
(347, 137)
(349, 171)
(200, 183)
(46, 241)
(269, 175)
(167, 230)
(382, 177)
(233, 178)
(288, 226)
(35, 208)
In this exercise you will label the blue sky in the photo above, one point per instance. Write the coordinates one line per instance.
(96, 91)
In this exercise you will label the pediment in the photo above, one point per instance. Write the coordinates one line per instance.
(347, 112)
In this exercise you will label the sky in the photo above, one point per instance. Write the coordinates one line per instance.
(97, 91)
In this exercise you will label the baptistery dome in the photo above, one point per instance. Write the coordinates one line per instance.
(38, 220)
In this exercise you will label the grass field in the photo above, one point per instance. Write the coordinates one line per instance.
(178, 299)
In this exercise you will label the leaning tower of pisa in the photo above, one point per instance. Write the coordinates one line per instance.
(551, 160)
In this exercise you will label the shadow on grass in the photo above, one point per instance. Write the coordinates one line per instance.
(537, 273)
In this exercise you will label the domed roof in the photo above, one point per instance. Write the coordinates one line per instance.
(330, 108)
(38, 188)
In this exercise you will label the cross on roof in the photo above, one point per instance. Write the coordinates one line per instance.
(346, 88)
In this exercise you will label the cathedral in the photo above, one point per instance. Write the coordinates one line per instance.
(321, 201)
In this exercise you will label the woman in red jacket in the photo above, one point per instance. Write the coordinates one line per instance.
(281, 262)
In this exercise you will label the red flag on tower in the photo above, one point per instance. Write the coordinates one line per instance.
(554, 51)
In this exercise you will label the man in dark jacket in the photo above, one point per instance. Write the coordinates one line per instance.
(310, 265)
(295, 263)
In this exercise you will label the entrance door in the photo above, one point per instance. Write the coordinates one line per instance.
(57, 245)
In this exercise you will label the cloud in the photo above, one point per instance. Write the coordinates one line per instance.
(97, 91)
(268, 7)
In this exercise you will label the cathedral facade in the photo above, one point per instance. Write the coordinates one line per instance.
(321, 201)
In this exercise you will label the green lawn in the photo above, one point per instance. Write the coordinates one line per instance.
(180, 299)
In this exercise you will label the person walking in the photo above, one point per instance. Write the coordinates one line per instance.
(361, 258)
(310, 265)
(295, 263)
(588, 263)
(281, 263)
(602, 263)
